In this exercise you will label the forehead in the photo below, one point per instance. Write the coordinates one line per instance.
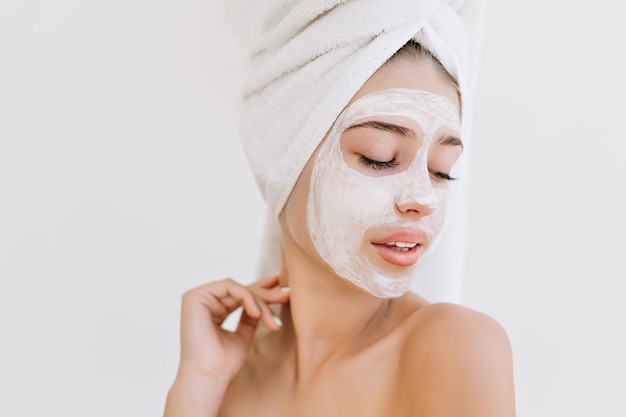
(413, 75)
(430, 111)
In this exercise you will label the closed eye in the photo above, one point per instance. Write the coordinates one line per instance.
(442, 176)
(378, 165)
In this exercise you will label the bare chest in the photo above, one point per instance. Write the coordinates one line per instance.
(361, 388)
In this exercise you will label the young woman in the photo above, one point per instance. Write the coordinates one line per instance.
(336, 332)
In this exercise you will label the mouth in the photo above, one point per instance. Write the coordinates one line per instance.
(401, 249)
(399, 246)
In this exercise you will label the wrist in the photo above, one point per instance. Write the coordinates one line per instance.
(196, 393)
(215, 378)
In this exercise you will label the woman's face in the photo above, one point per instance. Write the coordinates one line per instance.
(372, 198)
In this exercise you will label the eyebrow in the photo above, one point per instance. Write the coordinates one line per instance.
(451, 141)
(388, 127)
(448, 140)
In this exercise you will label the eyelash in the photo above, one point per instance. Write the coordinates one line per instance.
(443, 176)
(378, 165)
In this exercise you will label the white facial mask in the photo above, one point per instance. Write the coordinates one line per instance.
(344, 204)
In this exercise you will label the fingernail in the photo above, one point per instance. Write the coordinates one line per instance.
(285, 289)
(277, 320)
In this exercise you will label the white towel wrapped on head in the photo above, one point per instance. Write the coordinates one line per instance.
(310, 58)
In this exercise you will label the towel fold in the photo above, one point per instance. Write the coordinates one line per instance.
(310, 58)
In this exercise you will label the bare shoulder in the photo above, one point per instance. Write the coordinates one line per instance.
(453, 352)
(450, 324)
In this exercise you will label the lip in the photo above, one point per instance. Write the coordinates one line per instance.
(395, 257)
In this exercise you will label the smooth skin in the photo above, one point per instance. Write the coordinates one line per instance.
(340, 351)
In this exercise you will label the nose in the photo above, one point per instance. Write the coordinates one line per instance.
(417, 197)
(417, 207)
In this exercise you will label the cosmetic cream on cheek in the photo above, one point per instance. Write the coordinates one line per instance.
(344, 205)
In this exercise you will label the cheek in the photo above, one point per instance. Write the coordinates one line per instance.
(344, 205)
(293, 217)
(435, 222)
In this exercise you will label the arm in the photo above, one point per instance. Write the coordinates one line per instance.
(210, 355)
(196, 395)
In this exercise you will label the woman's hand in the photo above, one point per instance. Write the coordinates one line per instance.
(210, 355)
(208, 348)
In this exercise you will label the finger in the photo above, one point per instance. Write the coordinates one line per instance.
(218, 310)
(267, 282)
(230, 294)
(274, 295)
(247, 326)
(230, 303)
(224, 308)
(268, 290)
(269, 319)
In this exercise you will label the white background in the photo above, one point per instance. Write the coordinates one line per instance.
(121, 186)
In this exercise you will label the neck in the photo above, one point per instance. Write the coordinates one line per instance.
(327, 317)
